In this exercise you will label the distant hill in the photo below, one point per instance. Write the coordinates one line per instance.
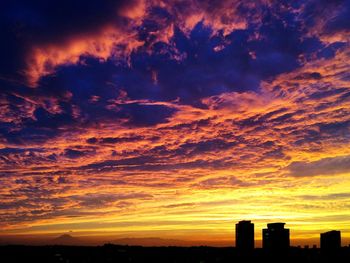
(148, 242)
(67, 240)
(161, 242)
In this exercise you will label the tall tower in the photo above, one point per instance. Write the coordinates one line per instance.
(276, 237)
(245, 235)
(330, 240)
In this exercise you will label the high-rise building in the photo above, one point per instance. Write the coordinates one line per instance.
(245, 235)
(275, 236)
(330, 240)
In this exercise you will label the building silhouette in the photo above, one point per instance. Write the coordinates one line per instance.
(330, 240)
(276, 237)
(245, 235)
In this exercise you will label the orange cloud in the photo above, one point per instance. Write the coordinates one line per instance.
(118, 41)
(109, 42)
(197, 172)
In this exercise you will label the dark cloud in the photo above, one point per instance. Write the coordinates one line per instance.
(340, 21)
(180, 205)
(215, 145)
(8, 151)
(92, 140)
(62, 180)
(307, 136)
(100, 200)
(30, 135)
(326, 166)
(114, 164)
(309, 75)
(185, 127)
(114, 140)
(335, 196)
(121, 139)
(203, 71)
(44, 119)
(328, 93)
(261, 119)
(153, 163)
(276, 117)
(189, 67)
(40, 20)
(145, 115)
(190, 149)
(24, 24)
(330, 50)
(334, 128)
(275, 154)
(16, 204)
(222, 182)
(73, 154)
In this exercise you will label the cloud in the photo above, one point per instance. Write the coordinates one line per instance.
(100, 200)
(114, 140)
(48, 41)
(145, 115)
(335, 127)
(29, 135)
(222, 182)
(73, 154)
(330, 197)
(44, 60)
(122, 106)
(325, 166)
(328, 19)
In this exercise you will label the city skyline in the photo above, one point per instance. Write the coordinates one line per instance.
(275, 238)
(173, 119)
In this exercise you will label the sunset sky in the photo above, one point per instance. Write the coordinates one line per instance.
(174, 119)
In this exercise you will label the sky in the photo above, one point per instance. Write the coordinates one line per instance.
(174, 119)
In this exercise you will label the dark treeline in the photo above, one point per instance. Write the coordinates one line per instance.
(114, 253)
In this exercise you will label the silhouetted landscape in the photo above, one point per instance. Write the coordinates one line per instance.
(114, 253)
(276, 248)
